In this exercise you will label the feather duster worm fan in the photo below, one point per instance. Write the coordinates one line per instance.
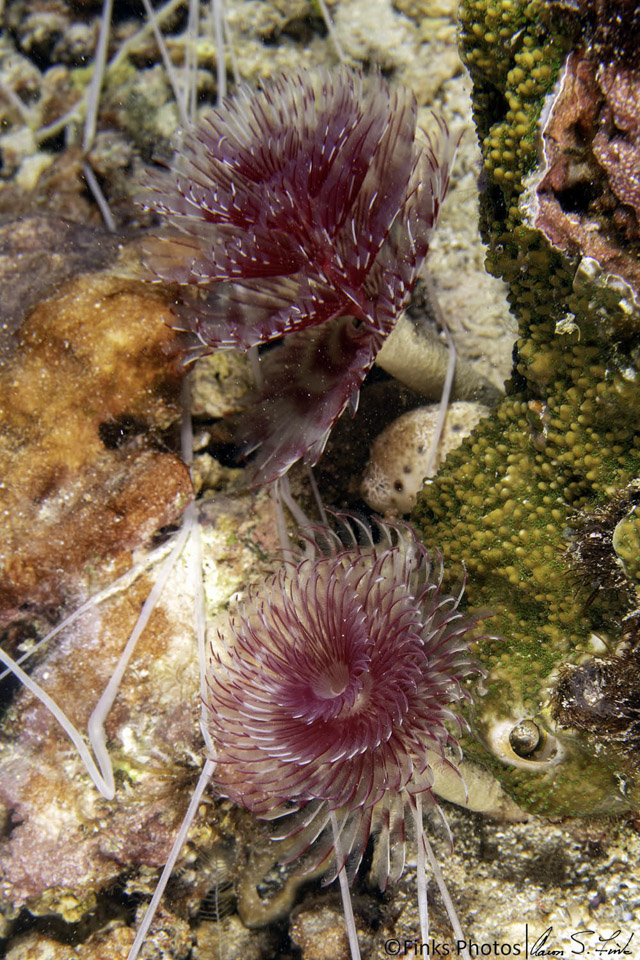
(306, 208)
(334, 692)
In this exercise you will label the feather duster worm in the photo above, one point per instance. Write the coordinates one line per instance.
(306, 208)
(331, 700)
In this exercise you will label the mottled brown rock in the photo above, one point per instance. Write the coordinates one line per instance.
(616, 146)
(61, 843)
(231, 939)
(87, 393)
(112, 944)
(321, 934)
(37, 254)
(60, 190)
(171, 942)
(66, 841)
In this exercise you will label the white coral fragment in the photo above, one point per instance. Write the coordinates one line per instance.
(398, 462)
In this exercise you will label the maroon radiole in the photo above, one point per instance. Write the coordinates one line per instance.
(333, 690)
(303, 213)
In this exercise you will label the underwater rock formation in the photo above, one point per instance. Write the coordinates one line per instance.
(90, 388)
(63, 845)
(90, 384)
(511, 502)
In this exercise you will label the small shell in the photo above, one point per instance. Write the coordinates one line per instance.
(525, 743)
(397, 466)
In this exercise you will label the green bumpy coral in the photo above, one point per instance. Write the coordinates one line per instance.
(531, 502)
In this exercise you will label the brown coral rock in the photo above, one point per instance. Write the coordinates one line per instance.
(112, 945)
(66, 842)
(62, 845)
(88, 384)
(38, 254)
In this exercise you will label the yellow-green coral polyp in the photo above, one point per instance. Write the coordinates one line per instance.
(562, 444)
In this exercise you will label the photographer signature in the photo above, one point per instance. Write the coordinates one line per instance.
(615, 944)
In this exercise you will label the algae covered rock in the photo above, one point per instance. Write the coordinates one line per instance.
(523, 502)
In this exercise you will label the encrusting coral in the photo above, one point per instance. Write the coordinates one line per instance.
(511, 503)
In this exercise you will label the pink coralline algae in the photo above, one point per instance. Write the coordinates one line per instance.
(587, 199)
(333, 690)
(305, 209)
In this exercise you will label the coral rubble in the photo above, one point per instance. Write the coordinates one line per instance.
(564, 443)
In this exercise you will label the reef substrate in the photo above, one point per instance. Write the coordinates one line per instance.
(540, 504)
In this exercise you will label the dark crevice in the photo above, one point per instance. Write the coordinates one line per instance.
(578, 198)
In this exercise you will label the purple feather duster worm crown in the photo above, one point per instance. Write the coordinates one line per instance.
(335, 690)
(305, 209)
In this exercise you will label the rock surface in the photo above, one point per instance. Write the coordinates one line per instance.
(90, 381)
